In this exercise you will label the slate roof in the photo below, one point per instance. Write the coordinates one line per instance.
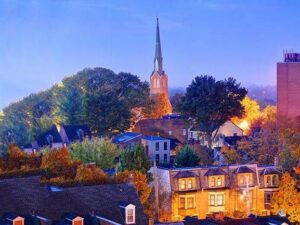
(72, 131)
(269, 170)
(185, 174)
(125, 137)
(23, 195)
(154, 138)
(243, 169)
(42, 139)
(215, 172)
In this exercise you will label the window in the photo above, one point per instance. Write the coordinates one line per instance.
(157, 146)
(216, 199)
(147, 150)
(189, 184)
(170, 132)
(190, 203)
(242, 180)
(268, 180)
(220, 199)
(184, 132)
(182, 203)
(212, 200)
(157, 157)
(219, 181)
(268, 197)
(182, 184)
(165, 145)
(275, 180)
(130, 216)
(165, 158)
(157, 83)
(212, 181)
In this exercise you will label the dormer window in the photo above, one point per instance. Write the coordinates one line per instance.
(190, 184)
(219, 181)
(18, 221)
(130, 214)
(49, 139)
(212, 182)
(182, 184)
(271, 180)
(80, 134)
(77, 221)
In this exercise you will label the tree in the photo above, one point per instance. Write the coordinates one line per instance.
(287, 199)
(210, 103)
(231, 156)
(90, 175)
(56, 162)
(161, 106)
(187, 157)
(135, 159)
(176, 101)
(139, 180)
(252, 113)
(99, 150)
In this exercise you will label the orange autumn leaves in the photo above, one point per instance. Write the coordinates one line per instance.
(254, 115)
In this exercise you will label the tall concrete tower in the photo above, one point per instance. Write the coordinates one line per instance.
(158, 78)
(288, 87)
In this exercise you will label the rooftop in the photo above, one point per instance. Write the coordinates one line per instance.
(154, 138)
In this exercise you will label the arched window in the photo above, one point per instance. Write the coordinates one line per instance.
(189, 184)
(212, 182)
(275, 180)
(268, 180)
(182, 184)
(154, 83)
(242, 180)
(157, 84)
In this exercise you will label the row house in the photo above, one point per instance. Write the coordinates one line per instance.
(24, 201)
(218, 191)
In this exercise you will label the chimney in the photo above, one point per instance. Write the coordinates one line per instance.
(275, 161)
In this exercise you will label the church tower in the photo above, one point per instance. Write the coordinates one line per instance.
(158, 78)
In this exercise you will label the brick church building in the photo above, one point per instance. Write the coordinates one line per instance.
(288, 87)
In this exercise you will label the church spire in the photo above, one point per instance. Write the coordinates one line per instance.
(158, 56)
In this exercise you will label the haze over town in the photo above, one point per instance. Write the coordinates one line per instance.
(42, 42)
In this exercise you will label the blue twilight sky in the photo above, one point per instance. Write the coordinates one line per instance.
(41, 41)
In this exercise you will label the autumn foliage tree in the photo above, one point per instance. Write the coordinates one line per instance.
(139, 181)
(159, 106)
(90, 175)
(287, 199)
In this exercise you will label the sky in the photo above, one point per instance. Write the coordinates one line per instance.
(42, 41)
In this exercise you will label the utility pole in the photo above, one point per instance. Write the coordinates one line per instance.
(156, 191)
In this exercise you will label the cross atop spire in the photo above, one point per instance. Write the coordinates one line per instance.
(158, 67)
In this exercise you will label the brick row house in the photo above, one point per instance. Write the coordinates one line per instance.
(217, 191)
(24, 201)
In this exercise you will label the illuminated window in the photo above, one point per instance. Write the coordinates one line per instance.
(212, 200)
(275, 180)
(189, 184)
(182, 203)
(242, 180)
(219, 181)
(182, 184)
(190, 203)
(268, 180)
(212, 182)
(220, 199)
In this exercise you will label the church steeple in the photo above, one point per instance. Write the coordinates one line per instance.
(158, 67)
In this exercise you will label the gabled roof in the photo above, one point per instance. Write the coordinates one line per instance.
(243, 169)
(214, 172)
(72, 131)
(104, 200)
(185, 174)
(42, 139)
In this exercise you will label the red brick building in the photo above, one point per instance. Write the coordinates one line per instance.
(288, 87)
(158, 78)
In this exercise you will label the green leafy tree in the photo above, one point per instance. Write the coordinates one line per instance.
(187, 157)
(210, 103)
(135, 159)
(101, 151)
